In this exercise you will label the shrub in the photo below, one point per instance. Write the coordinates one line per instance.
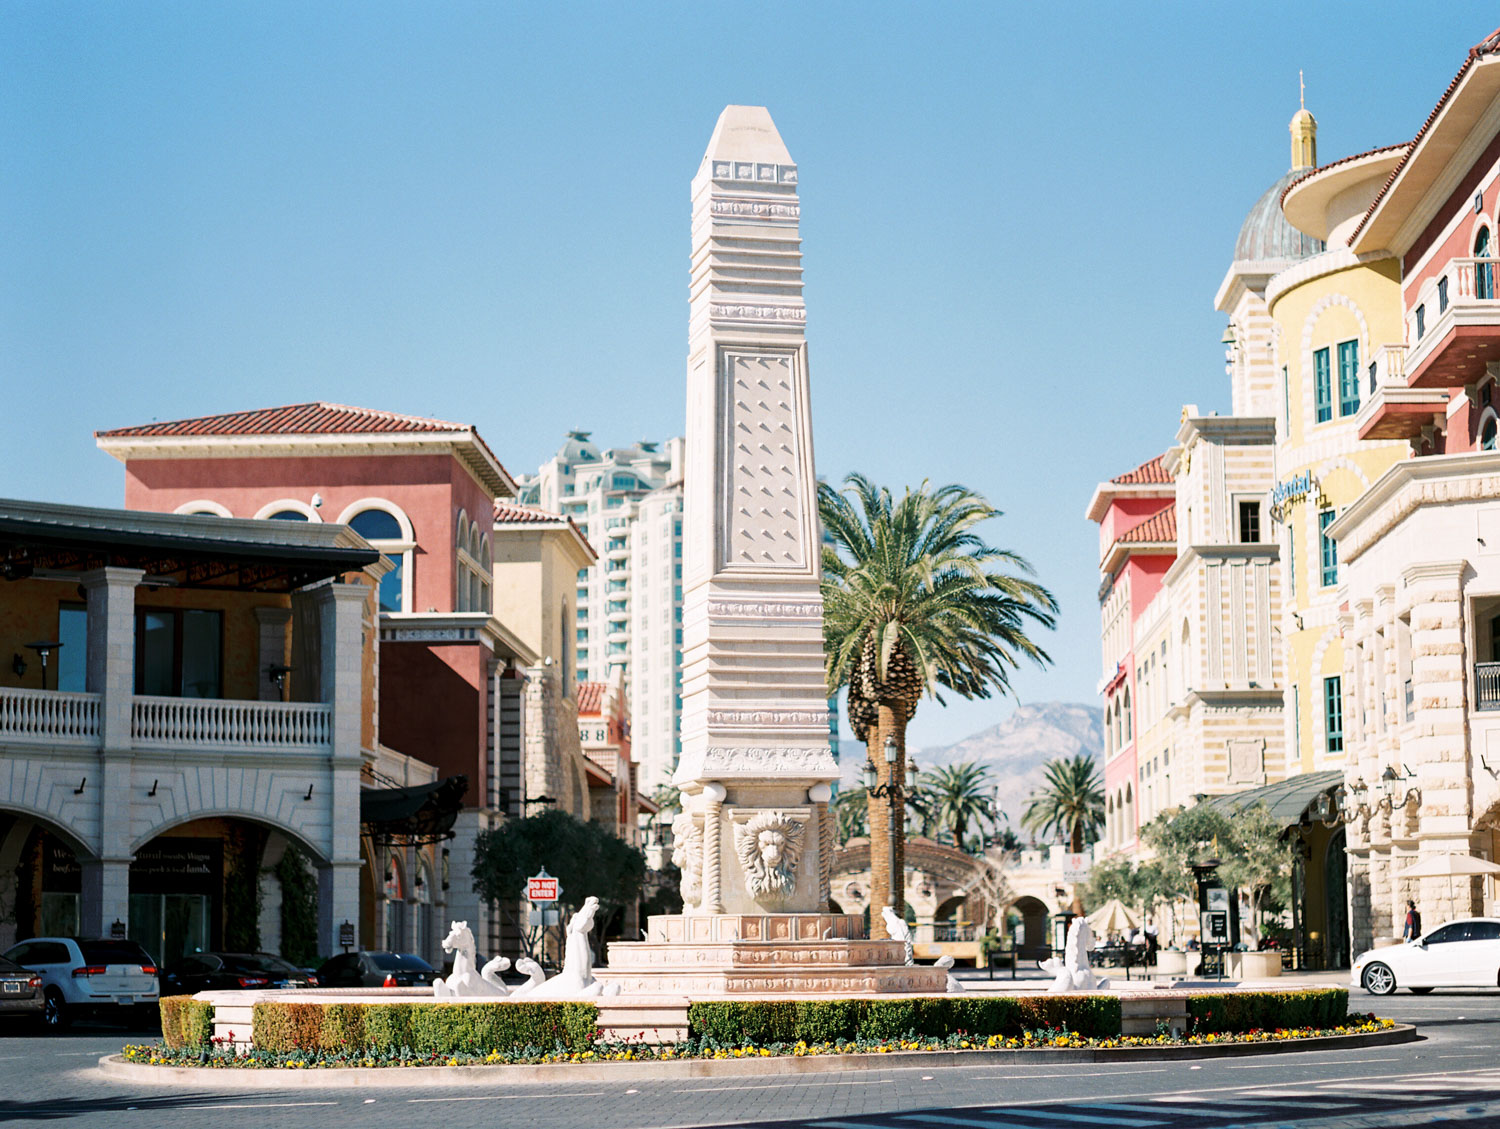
(186, 1023)
(818, 1021)
(425, 1028)
(1227, 1012)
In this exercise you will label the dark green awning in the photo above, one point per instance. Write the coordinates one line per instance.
(1287, 800)
(422, 813)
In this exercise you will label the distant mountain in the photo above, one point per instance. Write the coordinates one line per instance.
(1015, 750)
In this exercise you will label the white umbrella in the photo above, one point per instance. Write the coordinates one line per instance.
(1112, 917)
(1450, 865)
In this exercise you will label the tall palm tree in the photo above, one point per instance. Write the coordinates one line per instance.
(960, 794)
(1069, 803)
(915, 602)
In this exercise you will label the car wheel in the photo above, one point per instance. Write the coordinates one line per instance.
(1379, 980)
(55, 1015)
(1419, 991)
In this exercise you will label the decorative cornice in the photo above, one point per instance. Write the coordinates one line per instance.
(756, 609)
(1408, 485)
(728, 762)
(737, 312)
(767, 717)
(754, 209)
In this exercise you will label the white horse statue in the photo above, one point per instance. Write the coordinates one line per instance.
(1072, 972)
(533, 973)
(465, 980)
(576, 980)
(899, 931)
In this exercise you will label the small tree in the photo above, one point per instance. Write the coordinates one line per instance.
(584, 857)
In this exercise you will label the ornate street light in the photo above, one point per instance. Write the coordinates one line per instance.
(894, 793)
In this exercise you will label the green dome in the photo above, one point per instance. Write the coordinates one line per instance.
(1265, 233)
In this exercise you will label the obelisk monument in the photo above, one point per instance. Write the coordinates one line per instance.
(755, 765)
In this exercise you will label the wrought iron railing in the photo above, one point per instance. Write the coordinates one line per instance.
(1487, 686)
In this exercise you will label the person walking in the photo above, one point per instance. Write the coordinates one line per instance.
(1413, 927)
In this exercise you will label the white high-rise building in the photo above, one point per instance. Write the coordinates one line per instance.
(628, 502)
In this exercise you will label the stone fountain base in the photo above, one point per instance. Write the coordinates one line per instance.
(798, 954)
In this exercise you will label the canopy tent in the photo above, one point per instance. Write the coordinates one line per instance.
(1450, 865)
(1111, 918)
(1287, 800)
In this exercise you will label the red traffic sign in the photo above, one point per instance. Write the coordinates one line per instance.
(542, 888)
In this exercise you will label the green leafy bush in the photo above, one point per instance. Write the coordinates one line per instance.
(1266, 1011)
(393, 1029)
(186, 1023)
(762, 1022)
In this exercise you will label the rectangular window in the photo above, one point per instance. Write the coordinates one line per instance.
(1348, 377)
(1421, 321)
(1333, 708)
(1250, 523)
(1291, 561)
(178, 653)
(583, 634)
(1286, 400)
(1442, 293)
(1296, 724)
(72, 657)
(1372, 378)
(1329, 549)
(1322, 387)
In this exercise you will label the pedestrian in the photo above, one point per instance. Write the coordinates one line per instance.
(1413, 927)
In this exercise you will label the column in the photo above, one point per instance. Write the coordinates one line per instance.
(338, 902)
(109, 671)
(273, 649)
(713, 813)
(820, 794)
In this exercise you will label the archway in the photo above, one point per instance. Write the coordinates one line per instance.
(1026, 925)
(40, 877)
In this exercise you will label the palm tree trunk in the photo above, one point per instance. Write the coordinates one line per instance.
(1075, 842)
(883, 891)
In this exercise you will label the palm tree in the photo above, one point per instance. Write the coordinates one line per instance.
(915, 602)
(1069, 803)
(960, 794)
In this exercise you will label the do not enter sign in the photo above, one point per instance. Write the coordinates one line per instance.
(542, 887)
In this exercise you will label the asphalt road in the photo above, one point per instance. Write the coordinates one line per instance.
(1453, 1073)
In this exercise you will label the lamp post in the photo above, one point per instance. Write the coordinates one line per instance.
(894, 794)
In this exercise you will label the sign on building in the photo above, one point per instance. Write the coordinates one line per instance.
(1076, 868)
(542, 887)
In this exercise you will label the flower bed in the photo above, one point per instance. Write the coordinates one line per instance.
(336, 1034)
(225, 1058)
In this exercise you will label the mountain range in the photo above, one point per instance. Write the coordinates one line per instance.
(1014, 750)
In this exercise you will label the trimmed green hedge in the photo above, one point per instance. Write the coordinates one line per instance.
(186, 1023)
(737, 1022)
(425, 1028)
(1266, 1011)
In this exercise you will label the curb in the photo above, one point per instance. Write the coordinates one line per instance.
(114, 1066)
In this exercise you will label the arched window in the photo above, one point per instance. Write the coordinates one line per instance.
(1129, 731)
(288, 509)
(203, 507)
(388, 530)
(1487, 433)
(1484, 273)
(287, 515)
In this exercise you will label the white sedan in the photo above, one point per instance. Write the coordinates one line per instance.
(1461, 954)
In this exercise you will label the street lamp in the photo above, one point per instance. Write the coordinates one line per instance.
(893, 792)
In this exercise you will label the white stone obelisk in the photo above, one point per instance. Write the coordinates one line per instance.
(755, 764)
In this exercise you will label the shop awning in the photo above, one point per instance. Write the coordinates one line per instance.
(421, 813)
(1287, 801)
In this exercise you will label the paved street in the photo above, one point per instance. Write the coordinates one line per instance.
(1451, 1072)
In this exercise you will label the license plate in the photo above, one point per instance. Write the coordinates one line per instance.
(13, 987)
(125, 1001)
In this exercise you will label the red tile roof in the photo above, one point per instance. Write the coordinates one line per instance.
(1151, 472)
(590, 697)
(1160, 526)
(1489, 45)
(510, 513)
(1342, 161)
(317, 418)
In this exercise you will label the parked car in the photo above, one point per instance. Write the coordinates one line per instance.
(199, 972)
(115, 980)
(20, 991)
(376, 970)
(1461, 954)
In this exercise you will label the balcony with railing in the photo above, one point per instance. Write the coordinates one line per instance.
(1391, 408)
(53, 718)
(1487, 686)
(48, 717)
(1453, 325)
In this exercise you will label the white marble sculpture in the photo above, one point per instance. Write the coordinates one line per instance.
(945, 962)
(1072, 972)
(465, 980)
(768, 847)
(899, 931)
(535, 977)
(576, 980)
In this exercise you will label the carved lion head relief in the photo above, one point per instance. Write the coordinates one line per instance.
(769, 846)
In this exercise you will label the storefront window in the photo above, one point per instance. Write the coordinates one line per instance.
(179, 652)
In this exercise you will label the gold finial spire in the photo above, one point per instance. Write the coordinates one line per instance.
(1304, 129)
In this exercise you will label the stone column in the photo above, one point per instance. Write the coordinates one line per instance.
(713, 817)
(272, 651)
(109, 671)
(820, 794)
(340, 618)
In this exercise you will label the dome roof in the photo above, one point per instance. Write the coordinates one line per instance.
(1266, 234)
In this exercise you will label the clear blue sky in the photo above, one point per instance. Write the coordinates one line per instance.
(1014, 220)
